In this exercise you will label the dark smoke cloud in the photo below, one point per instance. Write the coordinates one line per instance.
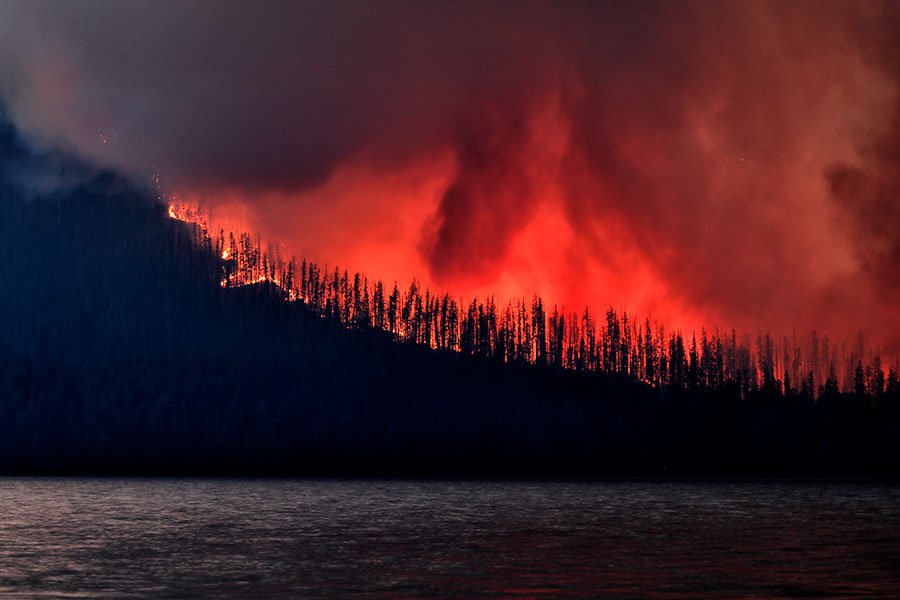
(491, 198)
(263, 95)
(867, 191)
(743, 155)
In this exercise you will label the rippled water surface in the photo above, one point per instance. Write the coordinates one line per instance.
(191, 538)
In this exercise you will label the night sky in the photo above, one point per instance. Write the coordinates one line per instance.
(711, 163)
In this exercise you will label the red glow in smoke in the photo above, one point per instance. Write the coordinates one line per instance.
(728, 163)
(379, 223)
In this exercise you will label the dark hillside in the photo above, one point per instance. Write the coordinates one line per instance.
(120, 352)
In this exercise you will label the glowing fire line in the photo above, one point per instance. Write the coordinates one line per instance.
(244, 263)
(232, 277)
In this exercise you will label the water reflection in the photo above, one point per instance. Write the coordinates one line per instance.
(286, 538)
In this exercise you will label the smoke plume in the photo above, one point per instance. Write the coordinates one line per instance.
(722, 163)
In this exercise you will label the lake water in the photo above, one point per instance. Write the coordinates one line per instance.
(234, 538)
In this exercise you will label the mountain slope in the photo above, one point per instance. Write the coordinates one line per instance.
(119, 352)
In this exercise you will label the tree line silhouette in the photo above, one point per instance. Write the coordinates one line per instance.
(529, 332)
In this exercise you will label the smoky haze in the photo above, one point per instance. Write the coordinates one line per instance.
(709, 163)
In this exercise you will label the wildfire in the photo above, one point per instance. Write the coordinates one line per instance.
(530, 331)
(187, 213)
(237, 282)
(245, 262)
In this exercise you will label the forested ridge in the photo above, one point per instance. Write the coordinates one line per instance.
(529, 333)
(132, 342)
